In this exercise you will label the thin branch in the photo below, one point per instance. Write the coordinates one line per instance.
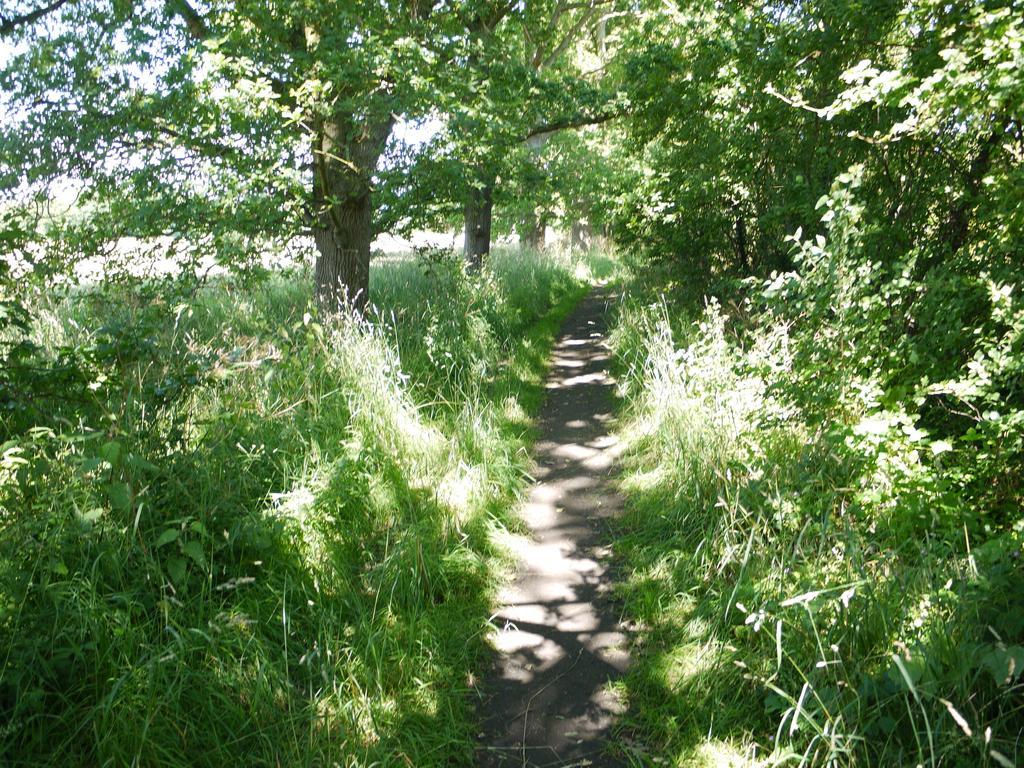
(575, 121)
(11, 25)
(194, 23)
(569, 39)
(484, 23)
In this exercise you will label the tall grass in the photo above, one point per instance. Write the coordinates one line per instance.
(240, 534)
(809, 591)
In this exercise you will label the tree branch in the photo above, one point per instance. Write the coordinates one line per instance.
(569, 39)
(484, 22)
(194, 23)
(199, 30)
(10, 26)
(575, 121)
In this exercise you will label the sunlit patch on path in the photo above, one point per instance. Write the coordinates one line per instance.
(560, 642)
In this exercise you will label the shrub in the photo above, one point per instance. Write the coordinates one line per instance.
(823, 574)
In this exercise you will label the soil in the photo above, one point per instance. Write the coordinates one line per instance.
(560, 642)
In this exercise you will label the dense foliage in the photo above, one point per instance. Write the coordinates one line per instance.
(238, 522)
(825, 541)
(220, 126)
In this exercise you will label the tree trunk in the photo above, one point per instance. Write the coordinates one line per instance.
(477, 216)
(342, 273)
(531, 230)
(741, 243)
(582, 236)
(531, 233)
(345, 155)
(960, 214)
(962, 211)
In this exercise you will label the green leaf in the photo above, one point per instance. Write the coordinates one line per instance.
(92, 516)
(177, 569)
(120, 496)
(90, 464)
(171, 534)
(111, 452)
(135, 461)
(1004, 664)
(195, 550)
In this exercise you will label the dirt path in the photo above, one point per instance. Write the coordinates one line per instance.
(560, 642)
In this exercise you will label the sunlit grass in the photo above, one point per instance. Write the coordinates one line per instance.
(290, 558)
(786, 616)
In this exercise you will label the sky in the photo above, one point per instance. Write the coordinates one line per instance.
(416, 133)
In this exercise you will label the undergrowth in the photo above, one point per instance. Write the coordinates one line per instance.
(823, 551)
(234, 532)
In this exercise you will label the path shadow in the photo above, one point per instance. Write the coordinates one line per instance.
(560, 640)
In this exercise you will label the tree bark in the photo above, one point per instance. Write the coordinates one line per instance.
(477, 217)
(582, 236)
(531, 233)
(961, 212)
(345, 155)
(342, 273)
(10, 25)
(741, 243)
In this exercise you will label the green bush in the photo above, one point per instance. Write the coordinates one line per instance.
(825, 573)
(825, 528)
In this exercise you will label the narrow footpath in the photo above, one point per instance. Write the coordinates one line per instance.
(560, 642)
